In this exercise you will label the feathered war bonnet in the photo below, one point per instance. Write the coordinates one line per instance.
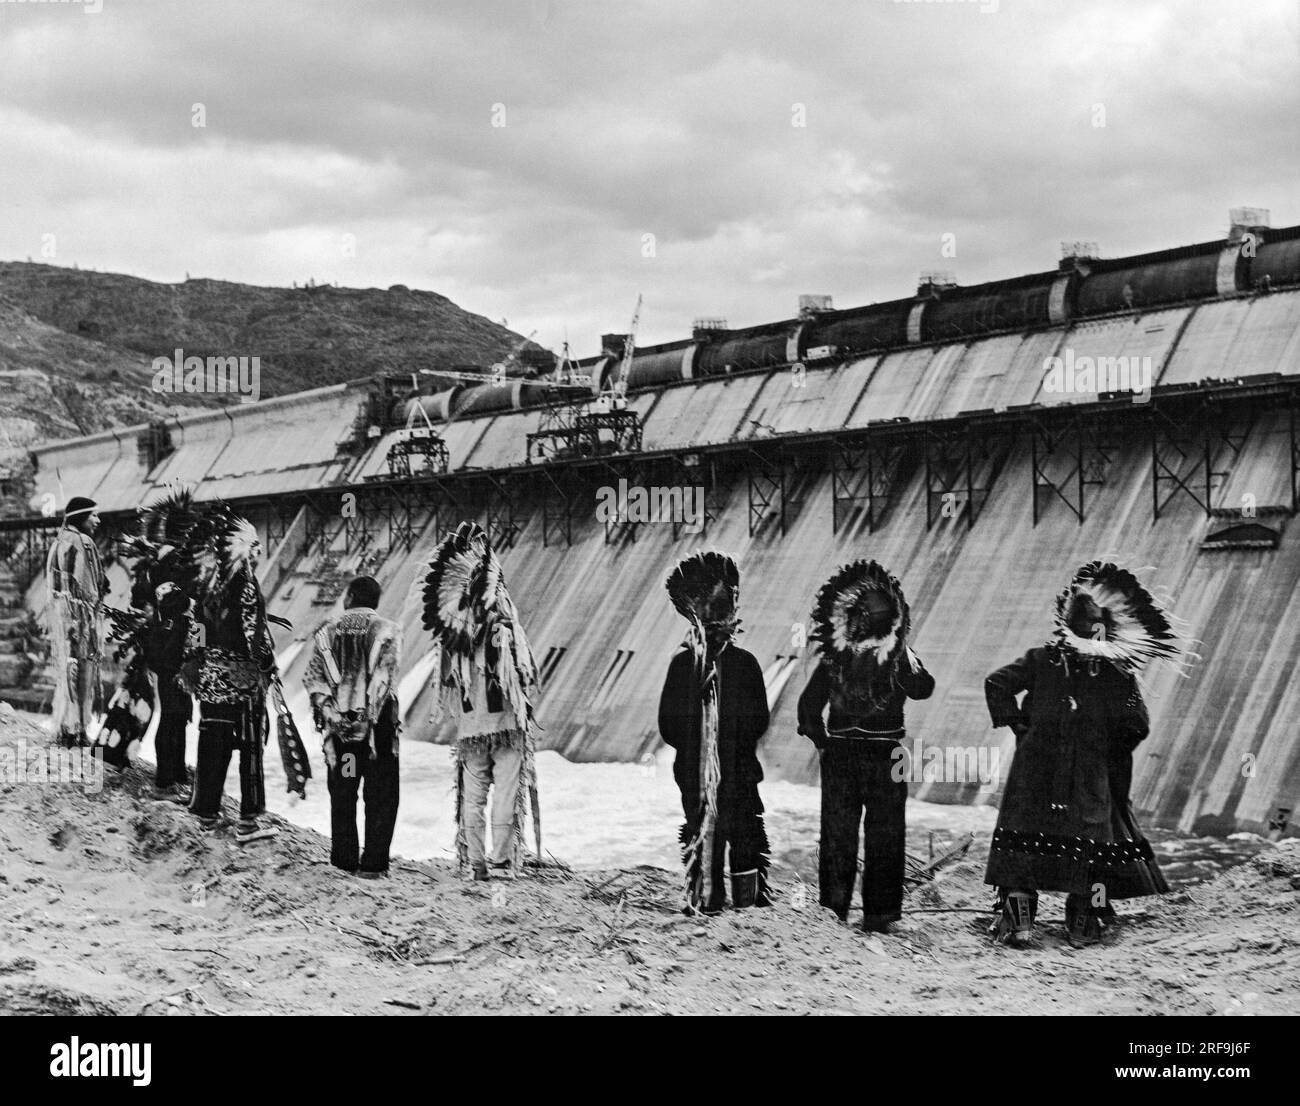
(225, 548)
(159, 529)
(468, 608)
(861, 610)
(705, 589)
(1133, 628)
(169, 520)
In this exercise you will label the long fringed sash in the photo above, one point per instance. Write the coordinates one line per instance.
(129, 714)
(293, 753)
(697, 848)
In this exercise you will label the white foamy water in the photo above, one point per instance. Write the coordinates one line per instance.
(593, 815)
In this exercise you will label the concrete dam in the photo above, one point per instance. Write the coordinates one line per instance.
(980, 442)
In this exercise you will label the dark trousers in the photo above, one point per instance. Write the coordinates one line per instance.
(174, 710)
(380, 796)
(739, 843)
(223, 728)
(857, 787)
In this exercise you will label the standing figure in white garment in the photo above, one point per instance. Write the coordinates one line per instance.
(484, 678)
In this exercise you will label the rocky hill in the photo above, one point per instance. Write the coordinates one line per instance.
(76, 347)
(57, 385)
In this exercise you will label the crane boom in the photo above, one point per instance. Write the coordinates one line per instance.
(629, 347)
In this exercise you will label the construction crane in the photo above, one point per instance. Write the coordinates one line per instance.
(616, 397)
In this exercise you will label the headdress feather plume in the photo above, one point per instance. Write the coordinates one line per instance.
(705, 588)
(468, 608)
(1136, 629)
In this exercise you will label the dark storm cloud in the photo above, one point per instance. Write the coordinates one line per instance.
(670, 120)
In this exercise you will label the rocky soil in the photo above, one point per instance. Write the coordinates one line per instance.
(111, 902)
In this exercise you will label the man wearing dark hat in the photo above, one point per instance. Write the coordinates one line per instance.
(352, 681)
(866, 674)
(77, 586)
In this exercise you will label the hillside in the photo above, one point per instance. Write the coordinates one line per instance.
(94, 335)
(58, 385)
(113, 903)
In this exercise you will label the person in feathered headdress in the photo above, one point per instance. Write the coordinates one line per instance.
(229, 667)
(151, 641)
(1065, 822)
(77, 584)
(866, 673)
(167, 586)
(351, 679)
(712, 711)
(485, 678)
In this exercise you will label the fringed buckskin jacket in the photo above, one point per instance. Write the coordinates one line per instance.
(352, 676)
(77, 584)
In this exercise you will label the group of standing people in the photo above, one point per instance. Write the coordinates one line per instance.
(1065, 822)
(484, 678)
(199, 633)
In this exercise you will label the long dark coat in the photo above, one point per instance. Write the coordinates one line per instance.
(742, 719)
(1065, 821)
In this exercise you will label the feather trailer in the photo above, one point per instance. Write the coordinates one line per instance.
(293, 753)
(128, 715)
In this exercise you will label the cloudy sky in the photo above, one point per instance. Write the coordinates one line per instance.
(544, 161)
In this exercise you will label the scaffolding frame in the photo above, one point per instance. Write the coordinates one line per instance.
(1194, 435)
(767, 483)
(952, 457)
(1080, 440)
(864, 469)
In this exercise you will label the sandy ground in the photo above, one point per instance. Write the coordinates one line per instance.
(111, 902)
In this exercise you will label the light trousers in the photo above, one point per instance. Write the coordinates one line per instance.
(498, 769)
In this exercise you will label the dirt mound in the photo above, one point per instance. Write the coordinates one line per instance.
(114, 902)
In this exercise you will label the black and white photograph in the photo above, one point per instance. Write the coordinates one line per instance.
(549, 507)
